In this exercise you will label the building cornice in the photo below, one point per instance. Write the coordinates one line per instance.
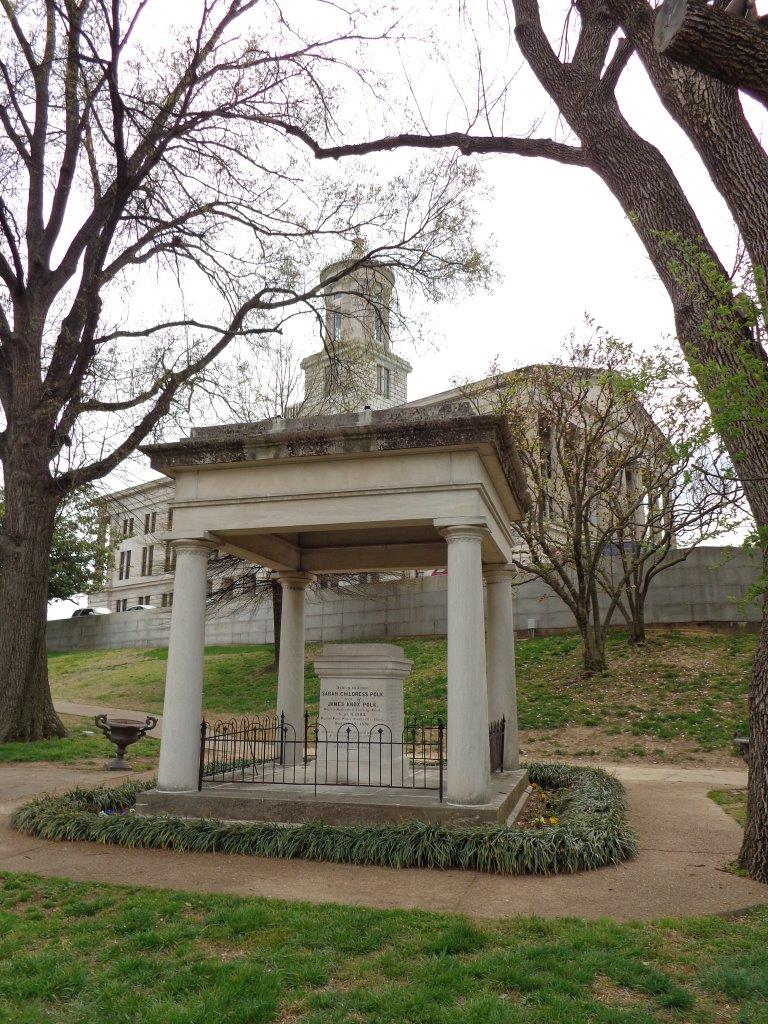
(347, 435)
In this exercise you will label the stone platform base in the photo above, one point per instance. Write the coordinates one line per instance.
(335, 805)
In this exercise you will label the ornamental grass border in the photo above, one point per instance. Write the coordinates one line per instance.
(592, 831)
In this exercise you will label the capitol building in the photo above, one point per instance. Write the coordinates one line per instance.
(356, 369)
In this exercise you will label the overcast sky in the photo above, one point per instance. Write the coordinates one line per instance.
(562, 246)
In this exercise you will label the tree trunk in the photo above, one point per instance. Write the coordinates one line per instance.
(637, 629)
(594, 650)
(593, 640)
(26, 707)
(732, 49)
(754, 850)
(637, 619)
(277, 612)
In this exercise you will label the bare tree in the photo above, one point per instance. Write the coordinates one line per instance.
(262, 384)
(579, 69)
(153, 212)
(679, 492)
(625, 475)
(236, 585)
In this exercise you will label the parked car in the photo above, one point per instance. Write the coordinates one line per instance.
(141, 608)
(78, 613)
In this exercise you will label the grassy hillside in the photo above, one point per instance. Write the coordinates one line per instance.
(682, 695)
(83, 746)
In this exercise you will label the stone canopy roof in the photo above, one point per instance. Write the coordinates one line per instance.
(449, 425)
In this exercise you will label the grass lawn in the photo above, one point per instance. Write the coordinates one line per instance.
(733, 802)
(682, 696)
(84, 747)
(97, 954)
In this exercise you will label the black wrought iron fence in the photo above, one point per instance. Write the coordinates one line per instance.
(269, 749)
(496, 741)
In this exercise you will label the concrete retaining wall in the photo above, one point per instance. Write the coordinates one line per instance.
(706, 588)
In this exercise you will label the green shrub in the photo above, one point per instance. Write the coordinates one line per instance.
(592, 831)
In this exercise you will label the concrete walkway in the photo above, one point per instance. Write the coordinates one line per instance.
(685, 839)
(90, 711)
(68, 707)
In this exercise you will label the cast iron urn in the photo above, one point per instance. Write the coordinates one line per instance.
(122, 732)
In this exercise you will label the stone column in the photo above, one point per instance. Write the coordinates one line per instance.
(290, 671)
(183, 704)
(469, 777)
(500, 660)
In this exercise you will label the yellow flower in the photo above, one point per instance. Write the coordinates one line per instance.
(553, 821)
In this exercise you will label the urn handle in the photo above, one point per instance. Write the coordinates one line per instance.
(150, 724)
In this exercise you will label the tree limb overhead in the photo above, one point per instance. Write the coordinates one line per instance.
(711, 40)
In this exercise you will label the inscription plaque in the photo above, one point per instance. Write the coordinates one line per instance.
(361, 717)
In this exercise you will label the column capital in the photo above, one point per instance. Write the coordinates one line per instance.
(192, 547)
(499, 573)
(461, 531)
(296, 579)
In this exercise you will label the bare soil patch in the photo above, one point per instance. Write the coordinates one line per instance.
(598, 744)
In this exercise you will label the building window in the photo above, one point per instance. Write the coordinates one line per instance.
(150, 522)
(170, 518)
(128, 526)
(147, 599)
(336, 326)
(170, 557)
(383, 381)
(125, 565)
(166, 600)
(147, 557)
(378, 325)
(122, 605)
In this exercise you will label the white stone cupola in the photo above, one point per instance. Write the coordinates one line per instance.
(356, 367)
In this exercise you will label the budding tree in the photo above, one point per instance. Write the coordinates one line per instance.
(625, 473)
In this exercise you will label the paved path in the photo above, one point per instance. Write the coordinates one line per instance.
(684, 841)
(68, 707)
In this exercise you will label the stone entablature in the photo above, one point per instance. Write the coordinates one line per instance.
(347, 435)
(282, 492)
